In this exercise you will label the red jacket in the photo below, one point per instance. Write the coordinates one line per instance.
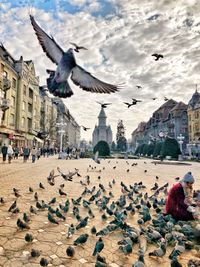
(175, 204)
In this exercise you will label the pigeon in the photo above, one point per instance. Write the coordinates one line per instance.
(165, 98)
(30, 189)
(85, 128)
(135, 101)
(51, 219)
(96, 157)
(41, 186)
(26, 218)
(21, 225)
(71, 230)
(93, 230)
(82, 223)
(44, 262)
(98, 247)
(66, 64)
(2, 201)
(28, 238)
(70, 251)
(139, 86)
(13, 206)
(128, 104)
(81, 239)
(77, 47)
(61, 193)
(139, 262)
(160, 252)
(103, 105)
(35, 253)
(176, 263)
(157, 56)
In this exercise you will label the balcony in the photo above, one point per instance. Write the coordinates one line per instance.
(5, 104)
(6, 84)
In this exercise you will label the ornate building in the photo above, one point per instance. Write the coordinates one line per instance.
(102, 132)
(170, 118)
(194, 123)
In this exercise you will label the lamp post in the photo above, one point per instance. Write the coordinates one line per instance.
(180, 141)
(61, 125)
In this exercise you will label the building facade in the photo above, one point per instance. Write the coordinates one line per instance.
(194, 124)
(102, 132)
(169, 119)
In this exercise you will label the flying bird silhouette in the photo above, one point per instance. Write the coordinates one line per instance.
(57, 82)
(139, 86)
(157, 56)
(77, 47)
(128, 104)
(165, 98)
(85, 128)
(104, 105)
(135, 101)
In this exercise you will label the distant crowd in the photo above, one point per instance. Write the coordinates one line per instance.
(10, 153)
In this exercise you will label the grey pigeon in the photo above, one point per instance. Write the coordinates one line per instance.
(66, 65)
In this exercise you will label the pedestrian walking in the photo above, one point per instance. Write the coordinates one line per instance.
(26, 153)
(16, 152)
(10, 153)
(34, 154)
(38, 153)
(4, 150)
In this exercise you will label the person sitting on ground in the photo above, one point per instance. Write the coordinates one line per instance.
(180, 197)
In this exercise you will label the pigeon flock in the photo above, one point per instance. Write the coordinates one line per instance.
(133, 219)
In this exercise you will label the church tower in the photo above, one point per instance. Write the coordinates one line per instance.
(102, 132)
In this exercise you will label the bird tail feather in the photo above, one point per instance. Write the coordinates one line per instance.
(61, 89)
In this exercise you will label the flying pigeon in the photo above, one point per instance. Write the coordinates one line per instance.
(57, 82)
(85, 128)
(77, 47)
(157, 56)
(128, 104)
(165, 98)
(139, 86)
(135, 101)
(104, 105)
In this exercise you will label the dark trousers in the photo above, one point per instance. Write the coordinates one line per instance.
(33, 158)
(4, 157)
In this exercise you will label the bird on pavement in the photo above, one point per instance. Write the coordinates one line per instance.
(98, 247)
(51, 219)
(70, 251)
(140, 261)
(21, 225)
(41, 186)
(44, 262)
(160, 252)
(66, 64)
(96, 157)
(13, 206)
(77, 47)
(81, 239)
(28, 238)
(35, 253)
(157, 56)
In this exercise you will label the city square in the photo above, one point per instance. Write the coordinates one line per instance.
(52, 239)
(99, 133)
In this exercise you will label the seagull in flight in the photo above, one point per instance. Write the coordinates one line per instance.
(104, 105)
(157, 56)
(85, 128)
(57, 82)
(77, 47)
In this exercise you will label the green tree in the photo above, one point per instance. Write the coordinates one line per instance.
(171, 148)
(113, 146)
(103, 148)
(150, 149)
(145, 149)
(157, 149)
(120, 137)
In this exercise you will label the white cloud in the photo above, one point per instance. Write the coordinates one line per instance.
(120, 49)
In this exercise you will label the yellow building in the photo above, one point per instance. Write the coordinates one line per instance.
(8, 86)
(20, 123)
(194, 123)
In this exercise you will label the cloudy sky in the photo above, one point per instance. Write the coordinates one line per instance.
(120, 36)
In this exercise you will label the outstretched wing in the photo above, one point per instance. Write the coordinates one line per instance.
(49, 45)
(87, 82)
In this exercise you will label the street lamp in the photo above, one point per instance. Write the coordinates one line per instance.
(61, 125)
(180, 141)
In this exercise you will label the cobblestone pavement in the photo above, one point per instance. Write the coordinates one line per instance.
(51, 239)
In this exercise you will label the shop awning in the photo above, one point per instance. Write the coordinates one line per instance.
(38, 140)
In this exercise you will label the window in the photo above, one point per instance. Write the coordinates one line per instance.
(5, 74)
(196, 127)
(14, 83)
(23, 105)
(29, 124)
(12, 119)
(30, 108)
(23, 122)
(196, 114)
(24, 89)
(13, 101)
(30, 93)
